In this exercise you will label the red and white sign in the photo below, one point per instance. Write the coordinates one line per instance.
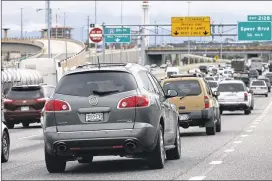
(95, 35)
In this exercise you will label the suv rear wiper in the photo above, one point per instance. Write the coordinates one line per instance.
(104, 92)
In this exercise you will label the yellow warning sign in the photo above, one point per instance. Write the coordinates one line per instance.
(191, 26)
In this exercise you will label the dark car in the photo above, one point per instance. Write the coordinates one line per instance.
(245, 79)
(23, 104)
(253, 74)
(116, 109)
(267, 81)
(269, 76)
(203, 69)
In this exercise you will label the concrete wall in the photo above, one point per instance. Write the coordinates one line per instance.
(23, 47)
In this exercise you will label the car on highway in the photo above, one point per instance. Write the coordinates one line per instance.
(204, 69)
(5, 144)
(23, 104)
(196, 103)
(269, 76)
(171, 70)
(267, 81)
(220, 70)
(153, 66)
(115, 109)
(213, 85)
(163, 66)
(234, 95)
(210, 78)
(253, 74)
(259, 87)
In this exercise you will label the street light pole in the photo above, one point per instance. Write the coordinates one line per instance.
(121, 50)
(48, 27)
(21, 22)
(95, 21)
(189, 37)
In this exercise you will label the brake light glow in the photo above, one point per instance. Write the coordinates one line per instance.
(207, 102)
(57, 105)
(41, 100)
(133, 102)
(245, 96)
(7, 101)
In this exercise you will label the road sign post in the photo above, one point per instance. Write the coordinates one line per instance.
(254, 31)
(115, 35)
(95, 34)
(191, 26)
(259, 18)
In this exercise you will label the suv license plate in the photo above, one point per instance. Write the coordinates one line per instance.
(94, 117)
(24, 108)
(183, 117)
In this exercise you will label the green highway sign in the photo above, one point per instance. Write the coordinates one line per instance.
(259, 17)
(116, 35)
(254, 31)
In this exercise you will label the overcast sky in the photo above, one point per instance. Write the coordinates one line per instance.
(110, 12)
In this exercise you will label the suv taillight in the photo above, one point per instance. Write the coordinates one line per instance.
(207, 102)
(56, 105)
(7, 101)
(245, 96)
(134, 101)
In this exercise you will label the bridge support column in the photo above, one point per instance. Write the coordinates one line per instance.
(5, 33)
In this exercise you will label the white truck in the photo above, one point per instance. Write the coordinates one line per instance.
(171, 71)
(257, 64)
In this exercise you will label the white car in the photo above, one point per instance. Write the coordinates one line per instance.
(213, 85)
(234, 96)
(221, 71)
(259, 87)
(5, 144)
(210, 79)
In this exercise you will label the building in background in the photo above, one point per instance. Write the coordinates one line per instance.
(61, 32)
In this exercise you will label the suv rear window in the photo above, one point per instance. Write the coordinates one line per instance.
(203, 67)
(213, 84)
(184, 87)
(99, 83)
(231, 87)
(258, 83)
(19, 93)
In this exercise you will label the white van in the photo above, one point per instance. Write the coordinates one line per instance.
(171, 71)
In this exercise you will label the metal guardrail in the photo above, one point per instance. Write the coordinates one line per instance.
(260, 48)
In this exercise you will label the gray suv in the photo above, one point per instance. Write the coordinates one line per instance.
(110, 109)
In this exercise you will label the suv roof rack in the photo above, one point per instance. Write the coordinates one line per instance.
(184, 75)
(100, 65)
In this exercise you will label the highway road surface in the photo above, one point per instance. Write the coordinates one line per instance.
(241, 151)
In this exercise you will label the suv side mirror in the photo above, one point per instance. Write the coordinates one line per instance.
(250, 91)
(216, 93)
(171, 93)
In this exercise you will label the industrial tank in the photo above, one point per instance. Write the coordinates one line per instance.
(12, 77)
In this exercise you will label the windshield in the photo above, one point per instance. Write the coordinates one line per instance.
(19, 94)
(258, 83)
(213, 84)
(184, 87)
(231, 87)
(171, 73)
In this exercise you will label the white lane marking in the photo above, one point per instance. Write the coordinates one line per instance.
(197, 178)
(257, 120)
(229, 150)
(215, 162)
(244, 135)
(249, 130)
(28, 137)
(237, 142)
(253, 126)
(256, 123)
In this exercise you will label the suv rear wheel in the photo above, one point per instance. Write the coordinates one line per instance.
(25, 124)
(175, 153)
(54, 164)
(157, 156)
(211, 130)
(218, 124)
(10, 125)
(247, 111)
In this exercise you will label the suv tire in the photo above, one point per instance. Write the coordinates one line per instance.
(10, 125)
(221, 111)
(157, 156)
(175, 153)
(5, 147)
(218, 124)
(266, 95)
(25, 125)
(54, 164)
(211, 130)
(247, 111)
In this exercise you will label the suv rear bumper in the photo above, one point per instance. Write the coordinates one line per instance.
(104, 142)
(16, 117)
(197, 118)
(233, 106)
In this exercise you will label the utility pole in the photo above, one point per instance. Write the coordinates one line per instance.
(63, 25)
(88, 25)
(156, 36)
(95, 21)
(189, 37)
(21, 22)
(121, 50)
(48, 27)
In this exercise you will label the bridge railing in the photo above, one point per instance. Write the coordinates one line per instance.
(268, 47)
